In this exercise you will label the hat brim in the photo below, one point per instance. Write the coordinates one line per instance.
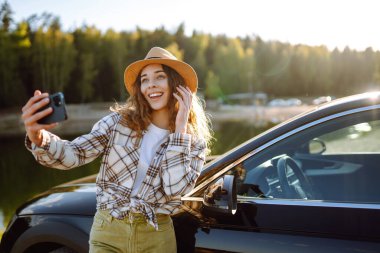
(182, 68)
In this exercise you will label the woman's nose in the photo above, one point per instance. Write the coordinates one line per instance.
(151, 84)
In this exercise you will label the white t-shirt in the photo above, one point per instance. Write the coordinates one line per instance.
(151, 140)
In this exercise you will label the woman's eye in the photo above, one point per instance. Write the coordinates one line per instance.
(144, 80)
(161, 77)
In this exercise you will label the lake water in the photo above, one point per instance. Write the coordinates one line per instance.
(21, 177)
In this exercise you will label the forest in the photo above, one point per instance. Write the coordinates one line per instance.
(87, 64)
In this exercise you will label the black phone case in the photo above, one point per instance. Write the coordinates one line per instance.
(57, 102)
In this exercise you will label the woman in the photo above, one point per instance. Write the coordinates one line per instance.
(153, 149)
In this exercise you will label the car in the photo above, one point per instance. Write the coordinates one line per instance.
(294, 102)
(309, 184)
(322, 99)
(279, 102)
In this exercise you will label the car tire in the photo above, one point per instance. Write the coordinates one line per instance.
(58, 233)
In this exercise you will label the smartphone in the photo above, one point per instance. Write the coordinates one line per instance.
(57, 102)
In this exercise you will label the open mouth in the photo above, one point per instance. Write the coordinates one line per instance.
(155, 95)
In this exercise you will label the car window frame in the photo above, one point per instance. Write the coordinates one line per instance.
(226, 169)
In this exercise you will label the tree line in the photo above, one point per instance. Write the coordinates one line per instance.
(88, 64)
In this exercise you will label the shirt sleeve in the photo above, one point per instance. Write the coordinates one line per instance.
(184, 162)
(62, 154)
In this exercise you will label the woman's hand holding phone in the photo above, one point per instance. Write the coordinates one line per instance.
(31, 114)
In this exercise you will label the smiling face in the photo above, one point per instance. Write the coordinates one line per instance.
(155, 87)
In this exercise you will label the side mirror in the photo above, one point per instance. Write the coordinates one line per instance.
(221, 196)
(317, 146)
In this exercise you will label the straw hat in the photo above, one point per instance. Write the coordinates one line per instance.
(160, 56)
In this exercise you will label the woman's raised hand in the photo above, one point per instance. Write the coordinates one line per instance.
(30, 116)
(185, 101)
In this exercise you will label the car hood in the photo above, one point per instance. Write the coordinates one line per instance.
(73, 198)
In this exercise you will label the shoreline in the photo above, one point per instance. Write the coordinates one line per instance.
(81, 117)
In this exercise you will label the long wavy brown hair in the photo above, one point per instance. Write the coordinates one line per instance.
(137, 111)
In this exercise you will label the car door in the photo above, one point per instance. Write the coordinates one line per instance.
(327, 199)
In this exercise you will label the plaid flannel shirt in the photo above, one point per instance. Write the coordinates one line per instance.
(172, 172)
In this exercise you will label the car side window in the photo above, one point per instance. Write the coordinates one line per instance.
(337, 160)
(362, 137)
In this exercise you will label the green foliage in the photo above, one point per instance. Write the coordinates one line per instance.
(52, 56)
(213, 90)
(85, 42)
(11, 48)
(88, 64)
(5, 16)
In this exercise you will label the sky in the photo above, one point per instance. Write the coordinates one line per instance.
(334, 23)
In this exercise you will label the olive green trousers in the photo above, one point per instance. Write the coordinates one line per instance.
(109, 234)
